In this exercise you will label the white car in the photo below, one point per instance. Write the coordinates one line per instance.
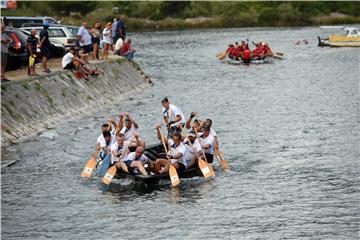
(60, 33)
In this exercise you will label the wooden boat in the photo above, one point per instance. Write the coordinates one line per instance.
(350, 39)
(154, 152)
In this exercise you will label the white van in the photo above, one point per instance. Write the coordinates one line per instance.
(59, 33)
(18, 22)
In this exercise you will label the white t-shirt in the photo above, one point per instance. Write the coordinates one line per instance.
(129, 133)
(67, 58)
(120, 150)
(208, 140)
(132, 157)
(177, 149)
(101, 139)
(191, 151)
(212, 132)
(172, 113)
(118, 44)
(85, 36)
(106, 35)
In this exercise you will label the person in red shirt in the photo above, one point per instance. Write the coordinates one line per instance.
(230, 51)
(126, 50)
(246, 56)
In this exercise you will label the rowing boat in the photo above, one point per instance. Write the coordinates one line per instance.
(154, 152)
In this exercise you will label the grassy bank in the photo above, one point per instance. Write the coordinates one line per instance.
(175, 15)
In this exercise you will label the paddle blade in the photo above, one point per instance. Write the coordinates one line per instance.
(109, 175)
(221, 57)
(206, 169)
(175, 180)
(223, 162)
(89, 167)
(220, 54)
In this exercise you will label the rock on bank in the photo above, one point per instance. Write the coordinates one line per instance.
(30, 106)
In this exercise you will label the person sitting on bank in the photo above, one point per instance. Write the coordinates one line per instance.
(131, 132)
(126, 50)
(176, 154)
(173, 117)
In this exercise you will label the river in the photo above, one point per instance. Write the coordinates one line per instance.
(289, 130)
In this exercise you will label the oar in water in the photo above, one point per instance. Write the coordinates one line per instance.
(206, 169)
(223, 162)
(174, 178)
(279, 53)
(220, 54)
(223, 56)
(90, 165)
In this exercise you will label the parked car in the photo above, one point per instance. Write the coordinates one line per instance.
(56, 32)
(17, 48)
(20, 21)
(57, 49)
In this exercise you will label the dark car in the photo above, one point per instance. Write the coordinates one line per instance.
(17, 48)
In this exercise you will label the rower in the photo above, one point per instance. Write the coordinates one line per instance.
(176, 154)
(173, 117)
(193, 149)
(137, 160)
(207, 141)
(119, 149)
(208, 122)
(129, 131)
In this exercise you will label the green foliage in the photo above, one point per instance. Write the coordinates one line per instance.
(142, 15)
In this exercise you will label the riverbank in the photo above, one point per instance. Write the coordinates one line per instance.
(33, 105)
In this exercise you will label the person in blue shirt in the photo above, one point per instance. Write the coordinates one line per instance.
(45, 47)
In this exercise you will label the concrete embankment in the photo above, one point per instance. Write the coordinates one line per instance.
(31, 106)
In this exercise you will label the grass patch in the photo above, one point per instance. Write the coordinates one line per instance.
(63, 92)
(50, 99)
(26, 86)
(89, 98)
(38, 87)
(121, 60)
(11, 112)
(3, 88)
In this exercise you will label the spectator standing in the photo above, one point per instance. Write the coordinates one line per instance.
(5, 41)
(95, 39)
(31, 45)
(106, 40)
(120, 28)
(45, 47)
(113, 32)
(84, 40)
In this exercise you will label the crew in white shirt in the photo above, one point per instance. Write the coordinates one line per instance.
(176, 154)
(193, 149)
(207, 141)
(173, 117)
(137, 160)
(130, 131)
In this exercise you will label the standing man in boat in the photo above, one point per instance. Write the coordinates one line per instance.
(173, 117)
(130, 130)
(176, 154)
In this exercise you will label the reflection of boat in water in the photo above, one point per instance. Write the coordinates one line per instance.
(350, 39)
(252, 61)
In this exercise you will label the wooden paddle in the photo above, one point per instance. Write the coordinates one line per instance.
(204, 166)
(109, 175)
(90, 165)
(174, 178)
(220, 54)
(223, 56)
(279, 53)
(223, 162)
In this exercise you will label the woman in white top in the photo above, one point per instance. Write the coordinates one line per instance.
(106, 40)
